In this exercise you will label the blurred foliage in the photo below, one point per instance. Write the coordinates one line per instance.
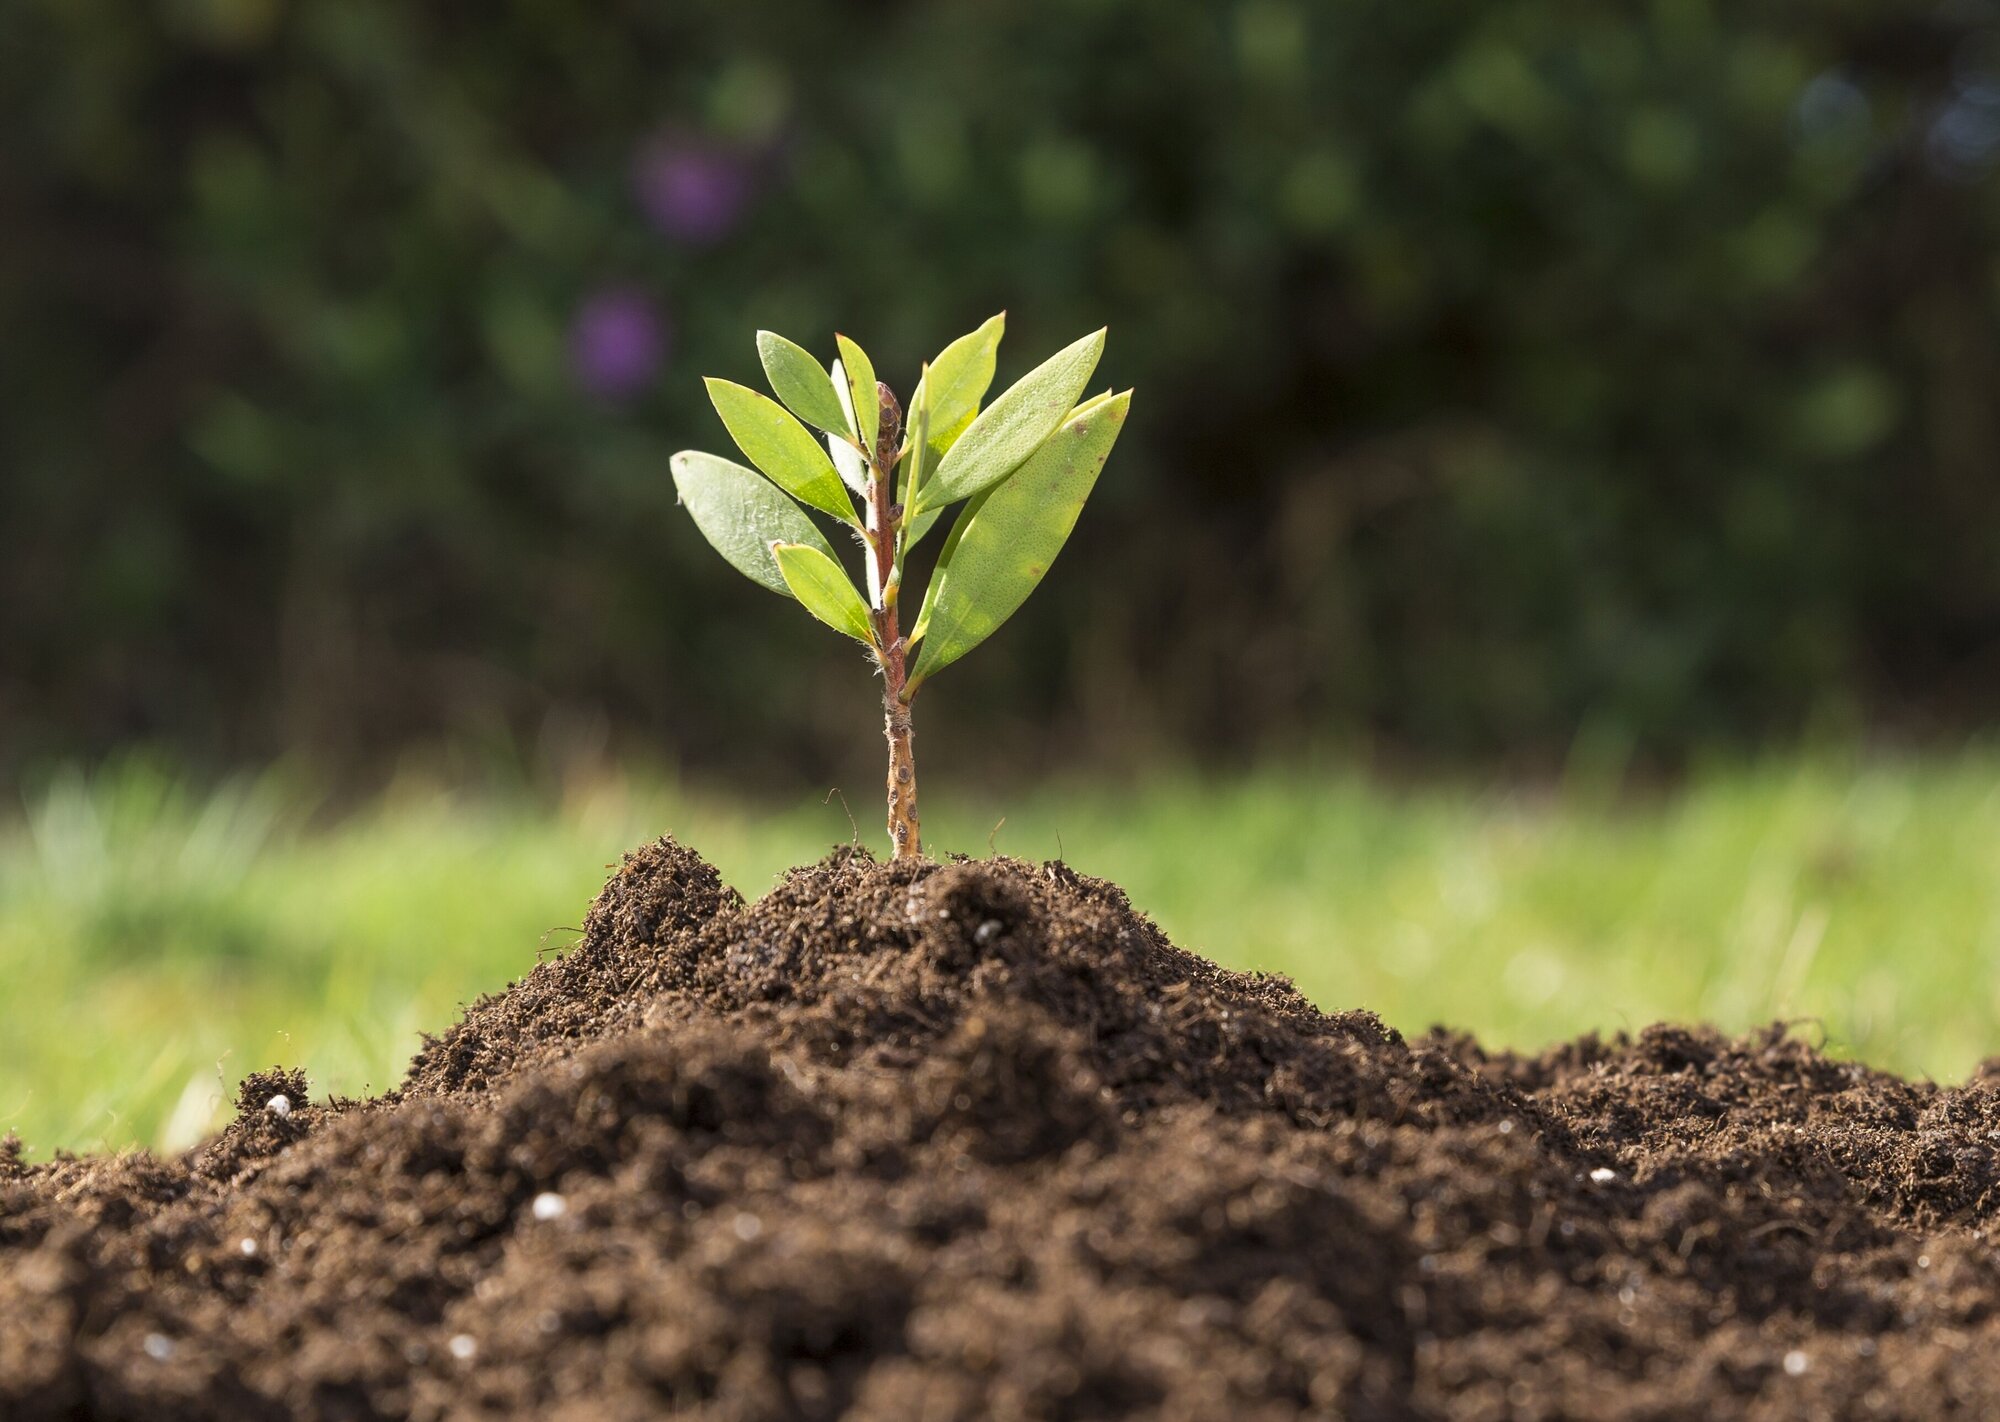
(1503, 370)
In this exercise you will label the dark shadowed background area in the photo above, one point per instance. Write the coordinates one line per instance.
(1506, 373)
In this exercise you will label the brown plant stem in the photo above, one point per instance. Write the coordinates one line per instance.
(905, 826)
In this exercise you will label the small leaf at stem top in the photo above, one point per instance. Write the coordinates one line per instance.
(1004, 542)
(957, 381)
(783, 448)
(864, 406)
(1014, 426)
(921, 524)
(800, 381)
(741, 513)
(916, 459)
(818, 581)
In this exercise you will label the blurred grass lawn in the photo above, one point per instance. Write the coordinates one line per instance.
(156, 944)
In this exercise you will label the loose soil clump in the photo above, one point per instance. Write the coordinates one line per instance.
(975, 1141)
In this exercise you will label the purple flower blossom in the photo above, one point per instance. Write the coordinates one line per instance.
(616, 343)
(692, 191)
(1964, 138)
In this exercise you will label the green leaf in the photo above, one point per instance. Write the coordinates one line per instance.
(957, 380)
(916, 460)
(951, 541)
(921, 524)
(863, 402)
(779, 445)
(943, 440)
(847, 459)
(800, 380)
(1005, 541)
(741, 513)
(1087, 407)
(817, 581)
(1013, 427)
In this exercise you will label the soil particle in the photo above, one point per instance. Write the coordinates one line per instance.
(974, 1140)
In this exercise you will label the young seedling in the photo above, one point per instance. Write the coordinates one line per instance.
(1022, 466)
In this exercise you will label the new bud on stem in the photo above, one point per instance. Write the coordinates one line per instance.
(1023, 465)
(888, 443)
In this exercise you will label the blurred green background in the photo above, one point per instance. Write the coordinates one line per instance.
(1501, 371)
(1530, 396)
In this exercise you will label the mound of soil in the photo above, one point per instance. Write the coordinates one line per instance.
(975, 1141)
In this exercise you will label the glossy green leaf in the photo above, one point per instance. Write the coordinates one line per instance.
(1004, 543)
(958, 379)
(863, 402)
(818, 581)
(800, 381)
(1014, 426)
(741, 513)
(779, 445)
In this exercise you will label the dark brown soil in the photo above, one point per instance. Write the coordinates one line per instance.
(976, 1141)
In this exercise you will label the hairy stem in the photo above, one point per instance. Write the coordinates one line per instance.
(905, 827)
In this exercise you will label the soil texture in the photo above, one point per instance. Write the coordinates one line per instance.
(974, 1140)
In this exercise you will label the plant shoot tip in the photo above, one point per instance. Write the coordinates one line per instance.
(1025, 486)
